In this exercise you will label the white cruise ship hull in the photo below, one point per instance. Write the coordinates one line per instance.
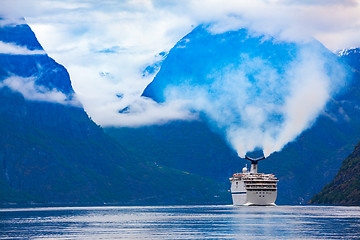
(253, 188)
(254, 198)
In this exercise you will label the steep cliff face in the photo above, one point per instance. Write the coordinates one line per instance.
(51, 152)
(345, 188)
(30, 61)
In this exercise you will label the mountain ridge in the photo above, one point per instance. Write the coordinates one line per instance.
(52, 153)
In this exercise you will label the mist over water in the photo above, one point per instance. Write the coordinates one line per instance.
(259, 92)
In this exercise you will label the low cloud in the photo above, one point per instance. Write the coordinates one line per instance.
(31, 91)
(144, 111)
(107, 45)
(13, 49)
(8, 22)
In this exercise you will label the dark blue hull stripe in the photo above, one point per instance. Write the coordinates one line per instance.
(238, 193)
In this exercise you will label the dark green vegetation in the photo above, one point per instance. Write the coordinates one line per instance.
(345, 188)
(303, 166)
(189, 146)
(54, 154)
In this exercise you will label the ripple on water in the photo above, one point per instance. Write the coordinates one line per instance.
(182, 222)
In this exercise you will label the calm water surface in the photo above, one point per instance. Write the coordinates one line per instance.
(181, 222)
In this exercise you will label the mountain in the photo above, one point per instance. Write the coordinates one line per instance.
(201, 57)
(52, 153)
(304, 166)
(345, 188)
(187, 146)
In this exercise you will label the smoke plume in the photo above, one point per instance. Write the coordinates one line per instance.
(262, 99)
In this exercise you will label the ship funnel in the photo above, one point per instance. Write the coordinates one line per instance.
(254, 163)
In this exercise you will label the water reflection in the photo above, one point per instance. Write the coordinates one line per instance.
(182, 222)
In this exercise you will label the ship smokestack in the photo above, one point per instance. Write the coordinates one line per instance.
(254, 163)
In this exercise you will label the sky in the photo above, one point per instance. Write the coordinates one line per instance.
(106, 45)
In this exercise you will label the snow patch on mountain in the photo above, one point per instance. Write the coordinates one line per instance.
(347, 51)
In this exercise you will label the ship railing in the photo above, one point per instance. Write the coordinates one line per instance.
(262, 187)
(260, 181)
(251, 179)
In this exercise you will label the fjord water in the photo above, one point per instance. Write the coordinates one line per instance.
(181, 222)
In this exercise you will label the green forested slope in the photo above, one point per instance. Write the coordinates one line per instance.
(345, 188)
(53, 153)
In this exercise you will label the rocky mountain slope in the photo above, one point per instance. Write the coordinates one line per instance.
(52, 153)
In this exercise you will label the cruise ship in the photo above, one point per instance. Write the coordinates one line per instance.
(253, 188)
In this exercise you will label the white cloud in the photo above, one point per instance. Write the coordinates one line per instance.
(11, 21)
(290, 20)
(145, 111)
(31, 91)
(13, 49)
(120, 40)
(106, 45)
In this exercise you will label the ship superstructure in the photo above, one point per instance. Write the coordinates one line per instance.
(253, 188)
